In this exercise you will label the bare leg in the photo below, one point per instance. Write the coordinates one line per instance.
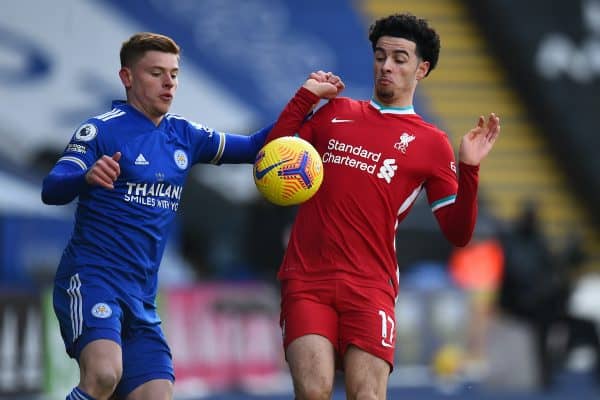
(100, 368)
(366, 375)
(312, 364)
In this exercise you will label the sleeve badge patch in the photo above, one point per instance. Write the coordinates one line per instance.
(86, 132)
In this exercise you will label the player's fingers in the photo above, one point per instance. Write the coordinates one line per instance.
(107, 167)
(492, 121)
(319, 75)
(316, 77)
(117, 167)
(330, 92)
(97, 177)
(473, 133)
(337, 81)
(110, 166)
(481, 121)
(493, 125)
(493, 135)
(106, 174)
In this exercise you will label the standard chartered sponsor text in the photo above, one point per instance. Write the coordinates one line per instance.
(355, 157)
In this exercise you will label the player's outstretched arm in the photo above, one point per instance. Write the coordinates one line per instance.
(477, 143)
(243, 148)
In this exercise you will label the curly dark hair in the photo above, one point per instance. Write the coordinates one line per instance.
(409, 27)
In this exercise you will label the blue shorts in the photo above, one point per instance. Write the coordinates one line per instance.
(89, 307)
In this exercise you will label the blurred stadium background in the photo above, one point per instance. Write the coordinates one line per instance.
(534, 63)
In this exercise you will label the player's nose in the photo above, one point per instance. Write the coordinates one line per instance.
(169, 81)
(387, 64)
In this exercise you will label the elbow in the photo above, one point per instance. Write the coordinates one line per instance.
(52, 200)
(460, 239)
(46, 198)
(462, 242)
(49, 200)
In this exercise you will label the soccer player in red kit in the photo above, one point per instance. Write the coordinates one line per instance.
(339, 275)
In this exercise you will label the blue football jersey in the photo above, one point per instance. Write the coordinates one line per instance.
(127, 228)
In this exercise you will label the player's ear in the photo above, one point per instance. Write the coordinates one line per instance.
(125, 75)
(422, 70)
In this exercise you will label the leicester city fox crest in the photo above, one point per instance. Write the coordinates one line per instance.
(101, 310)
(180, 159)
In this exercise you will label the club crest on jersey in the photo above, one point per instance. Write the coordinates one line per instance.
(405, 140)
(86, 132)
(180, 159)
(101, 310)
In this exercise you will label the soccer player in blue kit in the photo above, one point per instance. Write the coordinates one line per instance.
(128, 167)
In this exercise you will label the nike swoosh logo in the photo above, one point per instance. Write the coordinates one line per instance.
(335, 120)
(259, 174)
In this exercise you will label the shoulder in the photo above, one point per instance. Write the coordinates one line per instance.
(347, 103)
(105, 121)
(101, 125)
(430, 129)
(115, 117)
(181, 123)
(344, 106)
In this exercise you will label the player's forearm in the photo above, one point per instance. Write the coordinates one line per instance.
(293, 115)
(242, 149)
(62, 185)
(457, 221)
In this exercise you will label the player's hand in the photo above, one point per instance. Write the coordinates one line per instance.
(326, 85)
(105, 171)
(478, 142)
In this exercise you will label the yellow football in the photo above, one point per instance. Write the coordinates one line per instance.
(288, 171)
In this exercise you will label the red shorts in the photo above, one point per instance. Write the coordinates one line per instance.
(344, 313)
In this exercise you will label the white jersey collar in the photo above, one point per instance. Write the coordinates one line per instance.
(392, 110)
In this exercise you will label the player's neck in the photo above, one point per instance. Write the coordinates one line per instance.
(397, 102)
(138, 106)
(404, 104)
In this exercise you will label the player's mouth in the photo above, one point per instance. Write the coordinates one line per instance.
(166, 97)
(384, 81)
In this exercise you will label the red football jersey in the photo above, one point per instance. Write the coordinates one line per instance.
(376, 161)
